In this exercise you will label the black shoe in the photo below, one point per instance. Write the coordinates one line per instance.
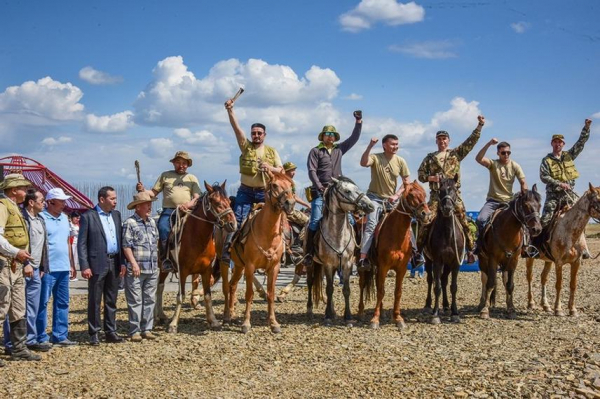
(25, 355)
(43, 347)
(114, 338)
(364, 265)
(66, 343)
(94, 341)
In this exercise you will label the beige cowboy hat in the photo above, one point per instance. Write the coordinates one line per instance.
(182, 155)
(289, 166)
(140, 198)
(14, 180)
(329, 129)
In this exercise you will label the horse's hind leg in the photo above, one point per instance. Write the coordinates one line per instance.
(229, 312)
(484, 278)
(259, 288)
(488, 288)
(225, 288)
(380, 281)
(529, 274)
(284, 292)
(271, 279)
(346, 292)
(212, 321)
(557, 305)
(573, 288)
(397, 296)
(180, 295)
(361, 301)
(455, 317)
(159, 312)
(508, 278)
(249, 296)
(544, 281)
(329, 310)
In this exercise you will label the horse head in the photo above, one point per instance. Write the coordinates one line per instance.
(349, 196)
(594, 207)
(448, 195)
(216, 203)
(414, 199)
(526, 208)
(280, 190)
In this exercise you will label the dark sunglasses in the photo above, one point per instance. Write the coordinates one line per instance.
(256, 133)
(505, 152)
(330, 134)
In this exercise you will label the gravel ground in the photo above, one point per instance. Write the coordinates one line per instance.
(536, 355)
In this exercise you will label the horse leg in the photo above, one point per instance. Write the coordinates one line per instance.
(196, 292)
(249, 296)
(455, 317)
(329, 310)
(229, 312)
(544, 280)
(445, 302)
(573, 288)
(437, 271)
(488, 289)
(557, 305)
(529, 265)
(380, 282)
(397, 296)
(180, 295)
(225, 289)
(428, 301)
(258, 286)
(361, 301)
(508, 278)
(284, 292)
(309, 284)
(211, 319)
(159, 312)
(346, 291)
(271, 279)
(484, 278)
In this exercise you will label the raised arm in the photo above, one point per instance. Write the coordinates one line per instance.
(347, 144)
(583, 137)
(364, 159)
(239, 133)
(465, 148)
(480, 157)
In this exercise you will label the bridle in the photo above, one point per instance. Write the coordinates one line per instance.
(413, 211)
(279, 198)
(209, 209)
(341, 197)
(519, 214)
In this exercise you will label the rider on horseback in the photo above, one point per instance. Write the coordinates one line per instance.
(180, 190)
(446, 163)
(558, 172)
(503, 172)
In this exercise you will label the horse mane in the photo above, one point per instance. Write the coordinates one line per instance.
(283, 176)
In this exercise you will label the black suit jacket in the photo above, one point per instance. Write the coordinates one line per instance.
(91, 242)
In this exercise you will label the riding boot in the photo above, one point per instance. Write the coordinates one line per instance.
(310, 248)
(18, 336)
(364, 264)
(166, 264)
(417, 257)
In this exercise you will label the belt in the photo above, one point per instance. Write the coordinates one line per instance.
(259, 189)
(112, 256)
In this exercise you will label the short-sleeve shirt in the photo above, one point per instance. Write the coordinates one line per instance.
(384, 174)
(177, 189)
(58, 231)
(502, 178)
(259, 179)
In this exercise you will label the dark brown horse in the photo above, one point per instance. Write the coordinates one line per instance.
(501, 246)
(195, 249)
(392, 249)
(444, 251)
(259, 245)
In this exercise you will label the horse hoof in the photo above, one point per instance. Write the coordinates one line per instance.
(435, 320)
(245, 329)
(484, 315)
(172, 329)
(374, 326)
(327, 323)
(547, 308)
(511, 315)
(279, 299)
(559, 313)
(532, 306)
(573, 313)
(455, 319)
(400, 325)
(427, 310)
(275, 329)
(349, 324)
(216, 327)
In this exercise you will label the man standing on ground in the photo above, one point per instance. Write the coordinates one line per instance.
(55, 283)
(100, 258)
(14, 257)
(140, 237)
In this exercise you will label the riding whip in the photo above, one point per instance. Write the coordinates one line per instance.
(237, 95)
(137, 170)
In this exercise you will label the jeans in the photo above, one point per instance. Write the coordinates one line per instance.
(417, 270)
(316, 213)
(164, 224)
(372, 220)
(486, 212)
(55, 284)
(33, 289)
(245, 198)
(140, 293)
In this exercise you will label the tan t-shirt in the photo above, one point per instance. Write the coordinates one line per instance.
(502, 178)
(384, 174)
(260, 178)
(177, 189)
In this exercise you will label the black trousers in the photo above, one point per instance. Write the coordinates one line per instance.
(105, 284)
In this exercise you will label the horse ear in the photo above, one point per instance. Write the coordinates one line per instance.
(208, 187)
(336, 181)
(223, 185)
(591, 187)
(456, 178)
(534, 188)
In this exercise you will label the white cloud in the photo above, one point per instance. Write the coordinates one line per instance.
(430, 49)
(353, 96)
(596, 115)
(158, 148)
(203, 137)
(116, 123)
(95, 77)
(51, 141)
(520, 27)
(177, 97)
(389, 12)
(46, 98)
(462, 115)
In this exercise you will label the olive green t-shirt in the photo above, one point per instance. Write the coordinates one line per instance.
(502, 178)
(384, 174)
(177, 189)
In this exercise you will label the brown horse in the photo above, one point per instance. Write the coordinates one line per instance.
(566, 244)
(392, 249)
(259, 245)
(196, 249)
(501, 246)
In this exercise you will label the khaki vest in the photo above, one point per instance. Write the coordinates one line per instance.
(248, 159)
(15, 230)
(563, 171)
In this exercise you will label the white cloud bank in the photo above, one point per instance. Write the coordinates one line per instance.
(95, 77)
(158, 148)
(429, 49)
(520, 27)
(51, 141)
(389, 12)
(116, 123)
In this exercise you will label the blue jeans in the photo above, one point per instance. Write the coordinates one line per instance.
(316, 213)
(372, 220)
(54, 284)
(33, 289)
(486, 212)
(245, 198)
(417, 270)
(164, 224)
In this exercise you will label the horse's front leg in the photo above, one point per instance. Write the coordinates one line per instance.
(529, 274)
(573, 287)
(225, 287)
(544, 281)
(488, 288)
(445, 302)
(329, 310)
(159, 312)
(380, 283)
(429, 300)
(271, 279)
(309, 284)
(508, 278)
(229, 313)
(196, 292)
(397, 296)
(455, 317)
(437, 277)
(557, 305)
(346, 291)
(211, 319)
(180, 295)
(249, 272)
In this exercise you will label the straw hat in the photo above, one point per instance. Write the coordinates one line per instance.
(14, 180)
(289, 166)
(183, 155)
(140, 198)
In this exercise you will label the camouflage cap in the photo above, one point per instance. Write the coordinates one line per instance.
(289, 166)
(558, 137)
(329, 129)
(14, 180)
(442, 133)
(182, 155)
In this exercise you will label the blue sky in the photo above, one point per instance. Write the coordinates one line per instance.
(86, 88)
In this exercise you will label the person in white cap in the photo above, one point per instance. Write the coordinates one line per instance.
(140, 238)
(55, 283)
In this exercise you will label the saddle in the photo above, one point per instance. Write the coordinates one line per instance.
(177, 221)
(487, 226)
(542, 241)
(241, 235)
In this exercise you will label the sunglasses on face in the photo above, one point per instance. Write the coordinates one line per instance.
(329, 134)
(505, 152)
(256, 133)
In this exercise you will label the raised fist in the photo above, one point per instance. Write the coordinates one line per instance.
(588, 123)
(481, 120)
(374, 141)
(494, 141)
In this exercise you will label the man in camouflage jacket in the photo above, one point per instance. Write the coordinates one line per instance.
(445, 163)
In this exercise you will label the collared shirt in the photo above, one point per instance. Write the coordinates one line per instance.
(553, 185)
(5, 247)
(108, 225)
(142, 237)
(36, 239)
(57, 228)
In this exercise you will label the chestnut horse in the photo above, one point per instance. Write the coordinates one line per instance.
(565, 245)
(444, 251)
(392, 249)
(259, 245)
(196, 249)
(501, 246)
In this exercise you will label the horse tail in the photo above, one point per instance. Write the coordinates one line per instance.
(216, 270)
(317, 274)
(370, 283)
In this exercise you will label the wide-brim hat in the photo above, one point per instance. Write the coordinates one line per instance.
(182, 155)
(14, 180)
(329, 129)
(289, 166)
(140, 198)
(558, 137)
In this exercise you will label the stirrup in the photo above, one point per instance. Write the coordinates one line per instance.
(529, 251)
(308, 260)
(167, 266)
(363, 265)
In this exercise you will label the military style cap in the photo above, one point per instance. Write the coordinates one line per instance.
(14, 180)
(558, 137)
(140, 198)
(442, 133)
(329, 129)
(183, 155)
(289, 166)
